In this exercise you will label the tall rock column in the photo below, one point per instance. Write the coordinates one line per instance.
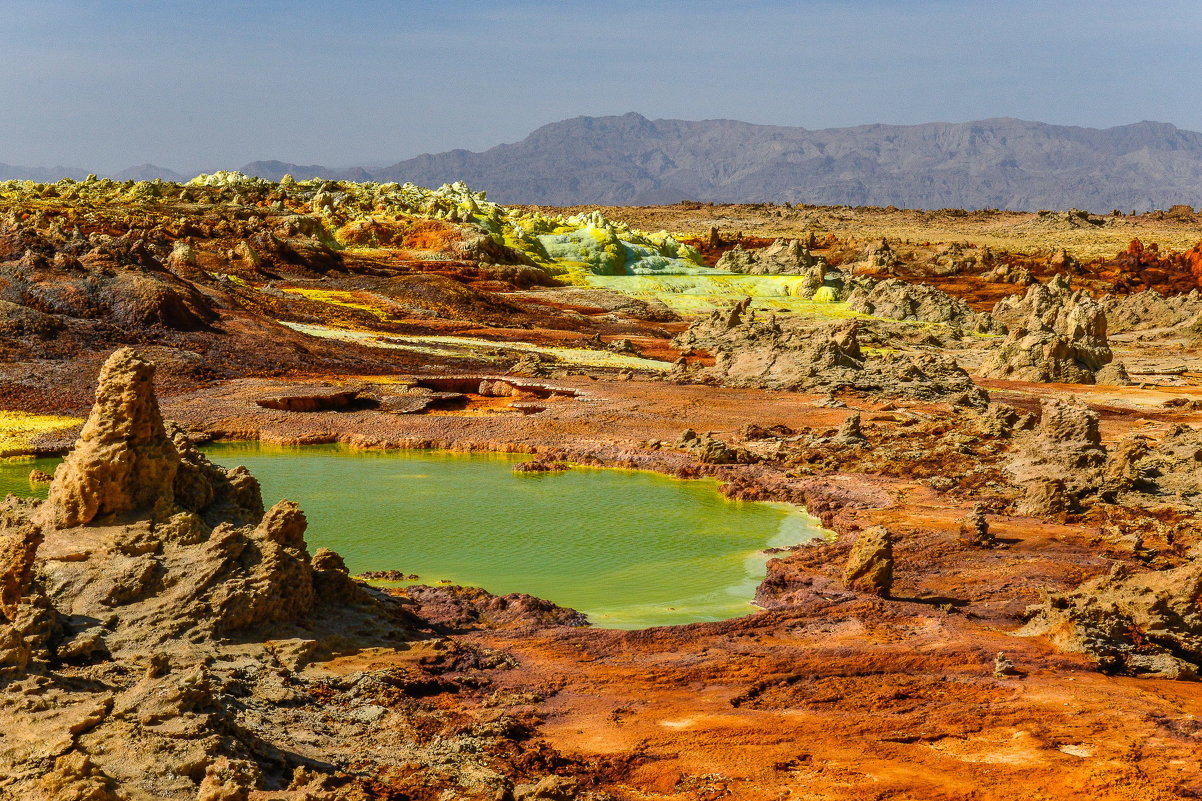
(123, 462)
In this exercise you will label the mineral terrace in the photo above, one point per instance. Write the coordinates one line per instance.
(996, 414)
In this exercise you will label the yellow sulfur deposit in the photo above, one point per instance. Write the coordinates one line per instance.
(19, 429)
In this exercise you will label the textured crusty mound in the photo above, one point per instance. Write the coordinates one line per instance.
(1056, 335)
(749, 352)
(23, 622)
(782, 257)
(137, 518)
(1168, 471)
(1146, 310)
(788, 257)
(1060, 461)
(900, 300)
(1132, 621)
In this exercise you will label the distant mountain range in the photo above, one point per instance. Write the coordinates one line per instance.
(631, 160)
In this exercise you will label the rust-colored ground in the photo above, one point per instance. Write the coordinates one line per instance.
(832, 695)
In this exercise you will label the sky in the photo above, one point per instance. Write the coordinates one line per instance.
(106, 84)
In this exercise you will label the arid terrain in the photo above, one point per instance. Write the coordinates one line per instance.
(996, 414)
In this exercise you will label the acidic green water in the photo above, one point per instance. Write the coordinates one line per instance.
(630, 549)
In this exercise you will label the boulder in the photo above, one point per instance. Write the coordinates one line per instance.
(870, 564)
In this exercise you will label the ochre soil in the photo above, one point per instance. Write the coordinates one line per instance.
(834, 695)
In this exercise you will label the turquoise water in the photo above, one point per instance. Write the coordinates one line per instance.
(630, 549)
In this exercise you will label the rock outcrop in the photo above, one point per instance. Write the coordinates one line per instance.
(1009, 274)
(791, 355)
(143, 599)
(782, 257)
(870, 564)
(788, 257)
(900, 300)
(709, 450)
(1148, 310)
(1056, 335)
(1145, 472)
(1131, 620)
(879, 256)
(850, 432)
(974, 529)
(123, 463)
(1061, 461)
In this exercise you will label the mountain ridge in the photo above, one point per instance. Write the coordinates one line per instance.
(1000, 162)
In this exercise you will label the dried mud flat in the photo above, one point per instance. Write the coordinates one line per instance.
(1009, 608)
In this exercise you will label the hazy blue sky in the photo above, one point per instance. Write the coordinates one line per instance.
(105, 84)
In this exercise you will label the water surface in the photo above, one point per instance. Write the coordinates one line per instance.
(630, 549)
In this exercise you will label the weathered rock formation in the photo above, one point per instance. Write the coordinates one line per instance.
(123, 463)
(1144, 472)
(900, 300)
(791, 355)
(710, 450)
(1131, 620)
(140, 602)
(1009, 274)
(850, 433)
(974, 529)
(1061, 461)
(1045, 498)
(782, 257)
(879, 256)
(870, 564)
(1143, 311)
(788, 257)
(1056, 335)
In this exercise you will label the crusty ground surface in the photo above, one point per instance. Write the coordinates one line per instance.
(834, 695)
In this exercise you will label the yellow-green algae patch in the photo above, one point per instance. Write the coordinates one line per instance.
(479, 348)
(18, 430)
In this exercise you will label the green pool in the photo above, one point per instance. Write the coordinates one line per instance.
(630, 549)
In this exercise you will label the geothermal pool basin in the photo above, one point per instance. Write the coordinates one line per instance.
(629, 549)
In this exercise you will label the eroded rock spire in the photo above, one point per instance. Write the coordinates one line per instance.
(123, 462)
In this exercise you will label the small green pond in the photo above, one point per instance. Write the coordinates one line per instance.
(630, 549)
